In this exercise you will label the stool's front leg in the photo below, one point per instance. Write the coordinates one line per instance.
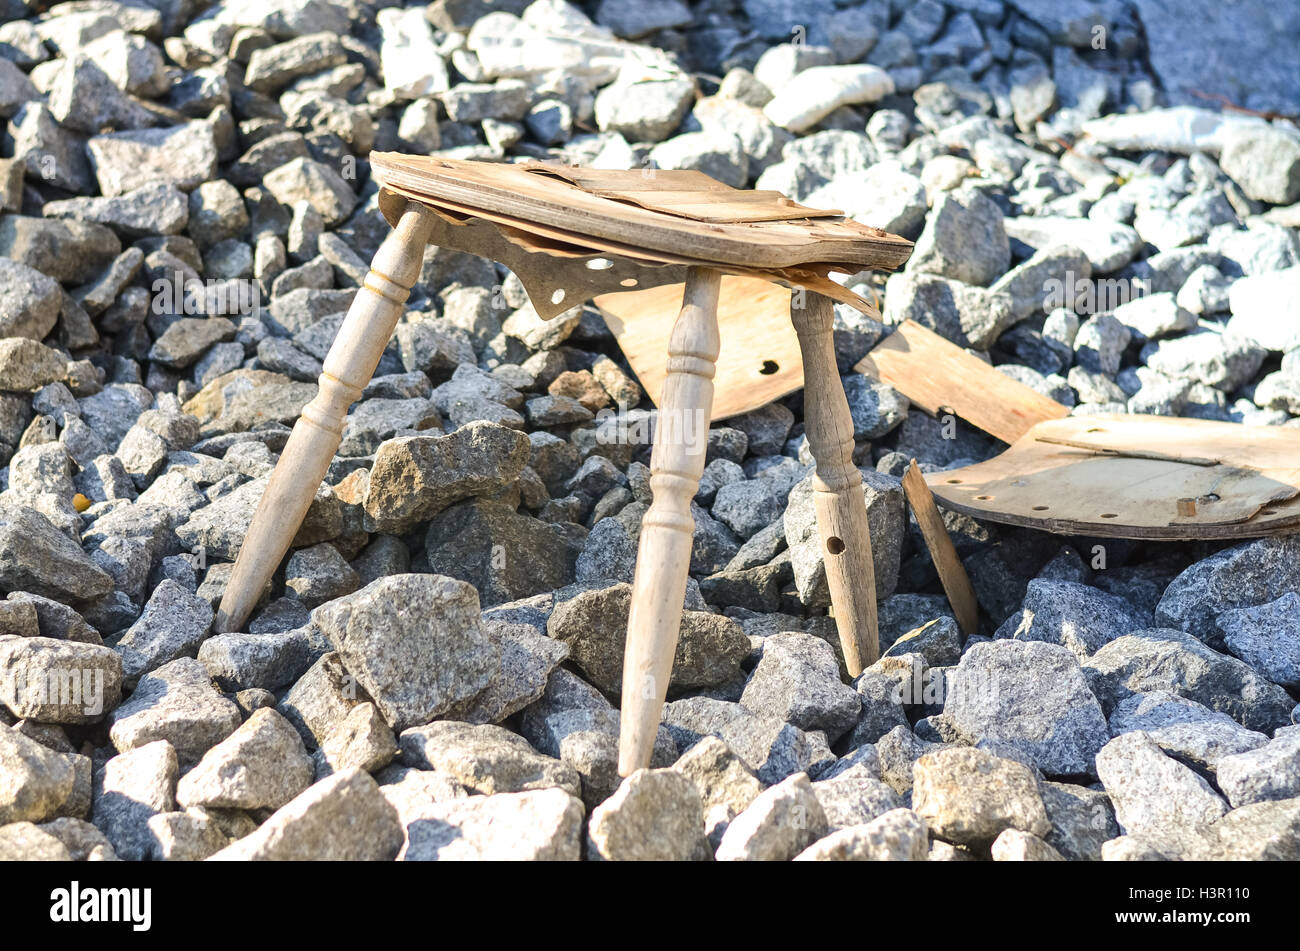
(664, 555)
(348, 367)
(837, 485)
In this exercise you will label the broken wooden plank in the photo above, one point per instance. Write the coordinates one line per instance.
(952, 573)
(941, 377)
(760, 359)
(1136, 477)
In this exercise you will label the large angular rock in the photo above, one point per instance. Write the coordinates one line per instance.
(724, 782)
(963, 239)
(174, 624)
(1267, 773)
(414, 643)
(710, 647)
(182, 155)
(543, 825)
(35, 781)
(1153, 794)
(644, 111)
(486, 759)
(1264, 831)
(505, 554)
(37, 557)
(177, 703)
(1082, 820)
(133, 787)
(1034, 698)
(342, 818)
(1184, 728)
(1264, 637)
(855, 797)
(656, 815)
(798, 680)
(416, 477)
(779, 824)
(527, 660)
(29, 300)
(58, 681)
(1073, 615)
(899, 835)
(969, 796)
(262, 765)
(362, 740)
(965, 314)
(1166, 659)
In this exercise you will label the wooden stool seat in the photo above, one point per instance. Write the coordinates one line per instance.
(571, 234)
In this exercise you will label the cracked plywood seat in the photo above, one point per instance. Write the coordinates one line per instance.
(571, 234)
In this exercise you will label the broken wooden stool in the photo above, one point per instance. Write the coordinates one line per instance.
(570, 234)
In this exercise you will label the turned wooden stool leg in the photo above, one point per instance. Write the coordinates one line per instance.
(664, 555)
(348, 367)
(837, 485)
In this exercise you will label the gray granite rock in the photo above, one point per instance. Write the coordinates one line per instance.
(1082, 820)
(35, 781)
(262, 765)
(177, 703)
(1184, 728)
(1267, 773)
(779, 824)
(343, 817)
(1263, 636)
(1073, 615)
(133, 787)
(1167, 659)
(415, 477)
(543, 825)
(798, 680)
(963, 239)
(35, 556)
(1016, 846)
(969, 796)
(362, 740)
(414, 643)
(174, 624)
(58, 681)
(1032, 697)
(1153, 794)
(725, 784)
(710, 647)
(899, 835)
(656, 815)
(486, 759)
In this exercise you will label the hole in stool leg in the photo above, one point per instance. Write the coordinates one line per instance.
(835, 545)
(769, 367)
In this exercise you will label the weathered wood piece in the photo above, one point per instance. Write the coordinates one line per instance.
(1137, 477)
(348, 367)
(760, 363)
(841, 508)
(667, 529)
(952, 573)
(940, 377)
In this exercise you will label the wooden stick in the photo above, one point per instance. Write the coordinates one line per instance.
(664, 554)
(837, 485)
(348, 367)
(952, 573)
